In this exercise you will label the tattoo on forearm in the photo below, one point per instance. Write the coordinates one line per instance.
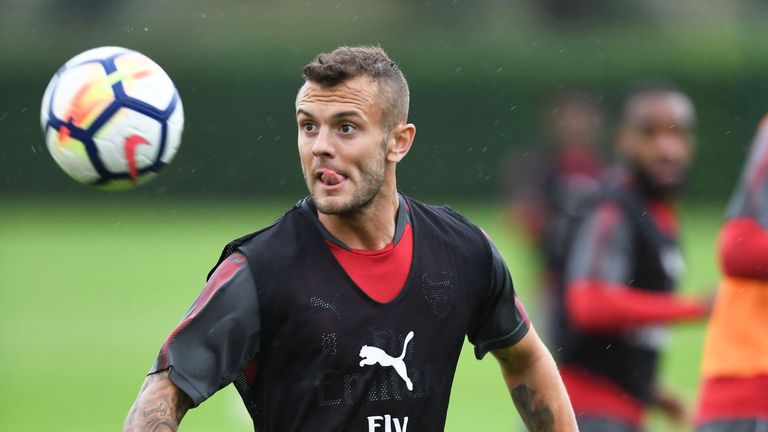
(159, 410)
(159, 407)
(537, 418)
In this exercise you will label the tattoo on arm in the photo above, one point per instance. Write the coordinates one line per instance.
(537, 418)
(159, 407)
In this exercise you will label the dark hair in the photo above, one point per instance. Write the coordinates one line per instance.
(344, 63)
(574, 96)
(644, 89)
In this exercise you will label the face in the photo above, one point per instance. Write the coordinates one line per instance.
(342, 144)
(576, 123)
(657, 138)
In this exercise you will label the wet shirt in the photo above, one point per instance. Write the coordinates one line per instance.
(308, 348)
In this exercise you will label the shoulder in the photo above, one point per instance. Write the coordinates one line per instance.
(440, 215)
(446, 224)
(270, 240)
(616, 202)
(285, 225)
(604, 222)
(607, 213)
(602, 244)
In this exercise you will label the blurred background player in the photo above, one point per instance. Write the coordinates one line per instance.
(622, 268)
(734, 390)
(548, 190)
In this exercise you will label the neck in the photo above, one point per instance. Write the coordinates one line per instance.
(650, 189)
(370, 228)
(654, 191)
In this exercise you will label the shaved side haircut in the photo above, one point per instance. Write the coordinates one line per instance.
(345, 63)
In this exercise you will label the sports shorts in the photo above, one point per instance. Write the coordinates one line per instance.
(602, 424)
(740, 425)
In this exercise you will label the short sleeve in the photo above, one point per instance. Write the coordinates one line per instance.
(500, 320)
(218, 336)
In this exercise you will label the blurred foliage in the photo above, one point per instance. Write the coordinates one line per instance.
(479, 72)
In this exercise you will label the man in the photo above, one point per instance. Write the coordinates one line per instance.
(623, 267)
(735, 362)
(543, 187)
(548, 194)
(350, 311)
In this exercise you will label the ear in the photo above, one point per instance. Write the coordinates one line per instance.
(400, 141)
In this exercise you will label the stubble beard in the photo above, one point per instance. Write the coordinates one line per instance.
(371, 182)
(655, 189)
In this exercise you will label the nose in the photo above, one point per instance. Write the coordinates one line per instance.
(323, 146)
(672, 145)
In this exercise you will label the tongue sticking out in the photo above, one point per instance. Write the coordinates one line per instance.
(331, 178)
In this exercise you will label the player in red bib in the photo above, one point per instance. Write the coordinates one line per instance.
(350, 311)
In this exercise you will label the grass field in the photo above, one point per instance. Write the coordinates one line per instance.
(89, 291)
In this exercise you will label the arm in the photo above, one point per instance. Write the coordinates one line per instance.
(602, 306)
(597, 294)
(502, 327)
(218, 336)
(535, 386)
(742, 244)
(744, 237)
(160, 406)
(671, 405)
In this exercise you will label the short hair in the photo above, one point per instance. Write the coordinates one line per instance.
(344, 63)
(574, 97)
(645, 89)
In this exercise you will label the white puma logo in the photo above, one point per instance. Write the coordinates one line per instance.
(372, 355)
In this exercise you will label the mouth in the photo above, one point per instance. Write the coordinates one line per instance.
(668, 171)
(330, 179)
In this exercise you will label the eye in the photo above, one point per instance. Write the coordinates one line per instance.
(347, 128)
(308, 127)
(647, 130)
(680, 129)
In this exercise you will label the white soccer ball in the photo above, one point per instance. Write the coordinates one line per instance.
(112, 118)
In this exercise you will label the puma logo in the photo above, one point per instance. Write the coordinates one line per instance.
(372, 355)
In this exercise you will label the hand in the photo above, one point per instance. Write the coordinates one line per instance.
(710, 299)
(671, 406)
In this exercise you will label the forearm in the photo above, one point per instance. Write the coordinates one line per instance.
(159, 407)
(535, 386)
(601, 306)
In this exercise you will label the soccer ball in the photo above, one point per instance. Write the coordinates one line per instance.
(112, 118)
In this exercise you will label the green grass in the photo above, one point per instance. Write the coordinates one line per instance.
(89, 291)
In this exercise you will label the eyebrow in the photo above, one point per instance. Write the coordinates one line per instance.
(344, 114)
(338, 115)
(301, 111)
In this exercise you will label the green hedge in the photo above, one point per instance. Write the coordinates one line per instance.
(475, 98)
